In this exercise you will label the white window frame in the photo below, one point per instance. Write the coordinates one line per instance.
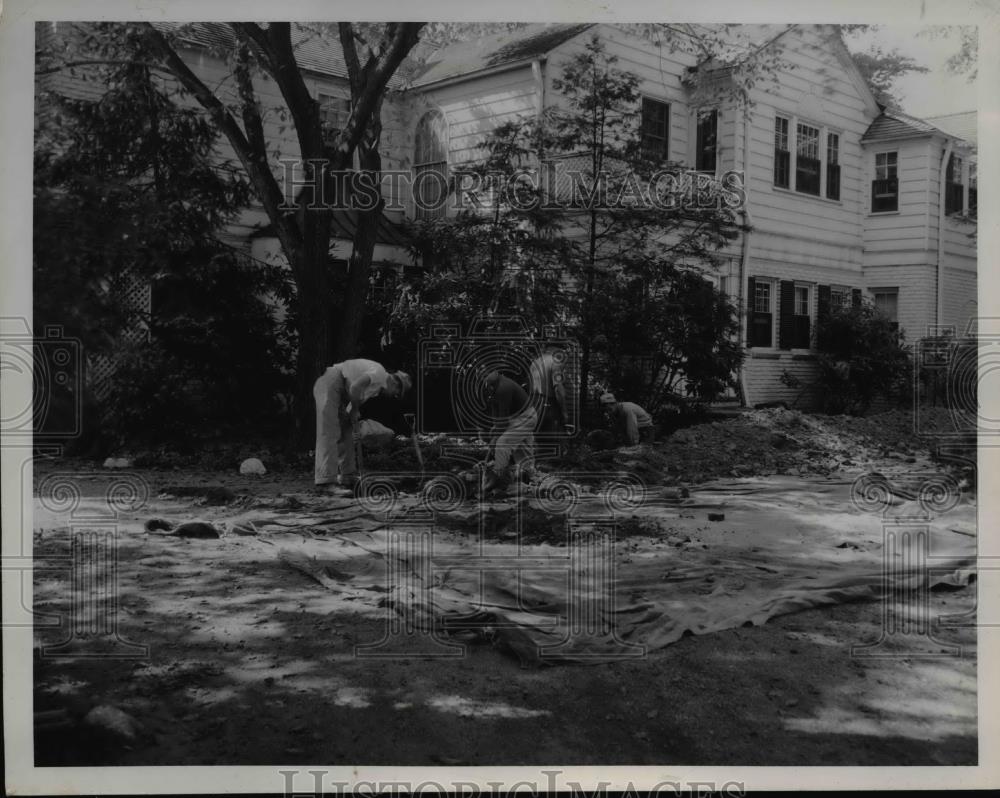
(810, 289)
(840, 290)
(774, 284)
(718, 137)
(793, 149)
(670, 119)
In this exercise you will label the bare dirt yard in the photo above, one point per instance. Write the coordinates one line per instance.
(767, 641)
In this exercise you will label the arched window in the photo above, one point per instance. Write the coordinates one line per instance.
(430, 166)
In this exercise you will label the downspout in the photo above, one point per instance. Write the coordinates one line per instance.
(939, 310)
(539, 76)
(745, 255)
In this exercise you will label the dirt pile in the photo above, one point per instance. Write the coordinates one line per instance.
(771, 441)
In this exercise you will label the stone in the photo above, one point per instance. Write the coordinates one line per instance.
(252, 466)
(118, 462)
(716, 516)
(374, 433)
(112, 721)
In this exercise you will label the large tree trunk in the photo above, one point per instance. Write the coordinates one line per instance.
(348, 341)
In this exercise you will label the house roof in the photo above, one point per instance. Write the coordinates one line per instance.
(499, 49)
(896, 124)
(316, 53)
(961, 125)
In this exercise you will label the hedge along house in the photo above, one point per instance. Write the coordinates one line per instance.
(842, 198)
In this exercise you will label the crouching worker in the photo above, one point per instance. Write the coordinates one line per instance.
(514, 423)
(339, 394)
(628, 420)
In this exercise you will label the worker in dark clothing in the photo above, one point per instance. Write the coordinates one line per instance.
(514, 421)
(628, 420)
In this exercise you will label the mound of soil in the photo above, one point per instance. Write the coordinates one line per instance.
(772, 441)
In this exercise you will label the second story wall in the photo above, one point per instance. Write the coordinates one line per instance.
(814, 98)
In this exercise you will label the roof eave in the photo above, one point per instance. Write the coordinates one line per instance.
(476, 73)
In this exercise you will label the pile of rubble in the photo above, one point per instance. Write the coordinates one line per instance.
(772, 441)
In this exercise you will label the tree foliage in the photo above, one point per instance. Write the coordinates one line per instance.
(608, 264)
(130, 194)
(861, 356)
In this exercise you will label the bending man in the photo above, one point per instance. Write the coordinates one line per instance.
(547, 382)
(628, 420)
(514, 424)
(339, 394)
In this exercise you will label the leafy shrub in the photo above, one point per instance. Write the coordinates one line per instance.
(861, 357)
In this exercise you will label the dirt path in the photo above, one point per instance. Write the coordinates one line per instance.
(248, 664)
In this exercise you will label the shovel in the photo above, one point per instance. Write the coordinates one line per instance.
(410, 419)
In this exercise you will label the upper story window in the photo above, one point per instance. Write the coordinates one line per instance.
(782, 155)
(885, 186)
(953, 188)
(807, 163)
(810, 153)
(333, 115)
(655, 129)
(707, 141)
(430, 166)
(832, 166)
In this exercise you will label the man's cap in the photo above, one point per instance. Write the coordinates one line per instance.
(405, 380)
(608, 399)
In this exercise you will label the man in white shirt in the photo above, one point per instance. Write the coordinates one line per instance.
(339, 394)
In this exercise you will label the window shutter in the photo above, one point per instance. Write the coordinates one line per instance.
(856, 297)
(823, 302)
(786, 318)
(749, 308)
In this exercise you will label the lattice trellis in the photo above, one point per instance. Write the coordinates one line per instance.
(134, 293)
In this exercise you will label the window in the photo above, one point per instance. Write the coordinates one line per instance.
(953, 186)
(782, 155)
(761, 317)
(807, 163)
(430, 167)
(655, 132)
(333, 115)
(973, 193)
(840, 297)
(800, 333)
(887, 302)
(832, 166)
(885, 186)
(708, 128)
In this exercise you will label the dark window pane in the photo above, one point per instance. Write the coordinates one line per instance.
(760, 329)
(807, 175)
(655, 129)
(833, 181)
(885, 195)
(708, 126)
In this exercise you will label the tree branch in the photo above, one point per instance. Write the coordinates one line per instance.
(253, 161)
